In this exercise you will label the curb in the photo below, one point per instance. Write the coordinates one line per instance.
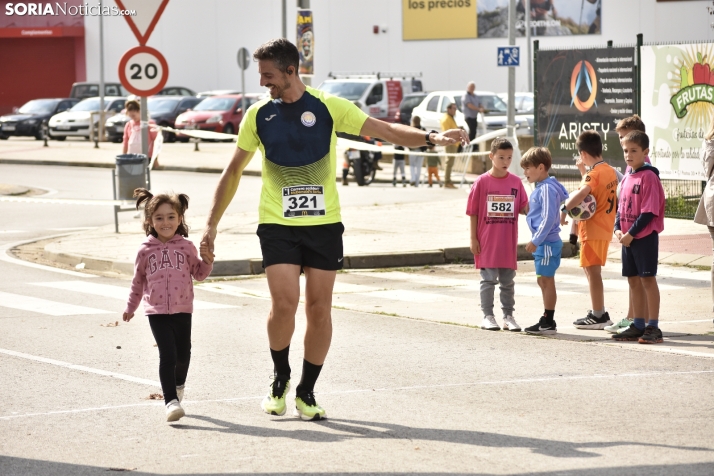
(254, 266)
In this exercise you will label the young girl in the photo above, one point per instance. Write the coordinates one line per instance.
(165, 266)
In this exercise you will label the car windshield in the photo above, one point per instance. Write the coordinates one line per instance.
(89, 105)
(161, 105)
(493, 104)
(215, 104)
(410, 102)
(351, 91)
(38, 106)
(457, 100)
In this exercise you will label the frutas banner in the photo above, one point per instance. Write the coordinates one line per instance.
(580, 90)
(305, 42)
(677, 105)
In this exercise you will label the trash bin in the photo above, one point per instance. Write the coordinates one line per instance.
(131, 174)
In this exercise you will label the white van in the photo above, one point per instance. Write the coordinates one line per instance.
(379, 95)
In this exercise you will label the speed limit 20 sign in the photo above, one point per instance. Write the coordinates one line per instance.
(143, 71)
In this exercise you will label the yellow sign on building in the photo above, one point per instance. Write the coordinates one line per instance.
(438, 19)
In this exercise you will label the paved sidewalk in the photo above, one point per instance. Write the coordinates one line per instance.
(408, 234)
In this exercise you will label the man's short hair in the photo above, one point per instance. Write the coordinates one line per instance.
(536, 156)
(632, 123)
(590, 142)
(132, 105)
(639, 138)
(281, 52)
(451, 104)
(500, 143)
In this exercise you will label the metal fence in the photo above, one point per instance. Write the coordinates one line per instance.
(681, 196)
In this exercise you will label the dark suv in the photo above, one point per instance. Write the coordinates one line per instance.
(31, 118)
(409, 102)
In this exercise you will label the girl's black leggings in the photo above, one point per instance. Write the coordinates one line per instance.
(173, 337)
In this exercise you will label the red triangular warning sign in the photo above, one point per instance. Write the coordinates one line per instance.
(147, 16)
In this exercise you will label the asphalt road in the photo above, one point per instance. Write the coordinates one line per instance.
(410, 385)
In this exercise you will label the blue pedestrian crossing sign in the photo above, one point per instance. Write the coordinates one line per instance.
(509, 56)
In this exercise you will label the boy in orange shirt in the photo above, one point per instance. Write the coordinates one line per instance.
(595, 233)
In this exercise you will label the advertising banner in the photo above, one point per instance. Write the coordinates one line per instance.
(677, 105)
(454, 19)
(305, 42)
(579, 90)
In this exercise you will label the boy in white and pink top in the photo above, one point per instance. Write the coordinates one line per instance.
(496, 199)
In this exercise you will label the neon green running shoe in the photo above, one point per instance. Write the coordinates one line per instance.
(307, 408)
(274, 402)
(619, 326)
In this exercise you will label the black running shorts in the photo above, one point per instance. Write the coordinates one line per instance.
(318, 246)
(640, 258)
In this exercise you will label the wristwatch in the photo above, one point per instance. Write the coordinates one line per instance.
(428, 142)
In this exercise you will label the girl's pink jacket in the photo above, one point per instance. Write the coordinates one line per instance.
(163, 276)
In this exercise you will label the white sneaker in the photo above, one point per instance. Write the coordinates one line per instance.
(510, 324)
(489, 324)
(174, 411)
(179, 392)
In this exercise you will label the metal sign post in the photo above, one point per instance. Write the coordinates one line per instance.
(512, 70)
(243, 62)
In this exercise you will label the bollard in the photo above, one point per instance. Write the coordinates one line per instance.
(45, 134)
(195, 145)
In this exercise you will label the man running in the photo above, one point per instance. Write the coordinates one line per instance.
(300, 228)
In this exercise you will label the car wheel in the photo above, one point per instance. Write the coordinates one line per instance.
(59, 138)
(40, 135)
(2, 137)
(228, 129)
(168, 136)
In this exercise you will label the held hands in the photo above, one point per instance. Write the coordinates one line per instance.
(475, 247)
(530, 247)
(127, 316)
(206, 248)
(625, 239)
(451, 137)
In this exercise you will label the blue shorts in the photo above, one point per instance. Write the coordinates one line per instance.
(547, 258)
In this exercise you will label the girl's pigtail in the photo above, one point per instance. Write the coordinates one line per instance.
(183, 200)
(142, 195)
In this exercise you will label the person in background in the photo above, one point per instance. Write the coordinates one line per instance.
(433, 162)
(472, 106)
(131, 142)
(416, 161)
(705, 211)
(447, 123)
(399, 160)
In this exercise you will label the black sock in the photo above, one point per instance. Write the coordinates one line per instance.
(310, 372)
(548, 314)
(281, 362)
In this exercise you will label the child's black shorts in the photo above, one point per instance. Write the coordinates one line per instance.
(640, 258)
(318, 246)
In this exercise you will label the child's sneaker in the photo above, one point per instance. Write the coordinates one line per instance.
(592, 322)
(632, 333)
(543, 328)
(620, 326)
(510, 324)
(179, 392)
(174, 411)
(651, 335)
(489, 324)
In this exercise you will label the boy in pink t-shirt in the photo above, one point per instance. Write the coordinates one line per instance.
(638, 223)
(496, 199)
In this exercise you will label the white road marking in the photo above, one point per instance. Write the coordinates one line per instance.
(5, 256)
(45, 306)
(116, 292)
(616, 284)
(64, 201)
(11, 231)
(411, 296)
(436, 281)
(222, 288)
(81, 368)
(388, 389)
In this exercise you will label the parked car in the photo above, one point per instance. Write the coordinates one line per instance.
(216, 113)
(433, 107)
(32, 117)
(217, 92)
(409, 102)
(85, 90)
(176, 91)
(75, 122)
(376, 94)
(162, 109)
(525, 107)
